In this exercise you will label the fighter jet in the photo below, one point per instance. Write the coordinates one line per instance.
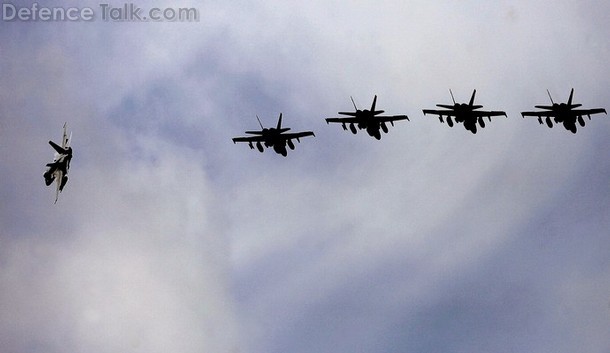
(273, 137)
(464, 113)
(563, 113)
(58, 169)
(367, 119)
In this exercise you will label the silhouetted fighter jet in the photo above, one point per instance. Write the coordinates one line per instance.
(563, 113)
(273, 137)
(464, 113)
(58, 169)
(367, 119)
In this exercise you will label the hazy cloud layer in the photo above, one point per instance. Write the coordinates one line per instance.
(169, 237)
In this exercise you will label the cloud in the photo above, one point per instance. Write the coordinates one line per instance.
(133, 257)
(169, 237)
(138, 264)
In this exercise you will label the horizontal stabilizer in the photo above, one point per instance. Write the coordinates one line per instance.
(446, 106)
(57, 148)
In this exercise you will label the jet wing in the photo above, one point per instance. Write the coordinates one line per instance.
(59, 175)
(391, 118)
(588, 111)
(440, 112)
(296, 135)
(539, 114)
(488, 114)
(342, 120)
(249, 139)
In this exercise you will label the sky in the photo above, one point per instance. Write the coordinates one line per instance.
(170, 238)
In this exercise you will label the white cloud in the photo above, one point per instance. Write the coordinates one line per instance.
(348, 242)
(140, 264)
(133, 256)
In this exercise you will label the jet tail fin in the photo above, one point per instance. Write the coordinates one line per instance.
(549, 93)
(354, 103)
(374, 103)
(259, 122)
(571, 95)
(471, 103)
(279, 122)
(65, 140)
(452, 98)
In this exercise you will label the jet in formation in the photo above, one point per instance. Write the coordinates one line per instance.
(464, 113)
(58, 169)
(368, 120)
(273, 137)
(563, 113)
